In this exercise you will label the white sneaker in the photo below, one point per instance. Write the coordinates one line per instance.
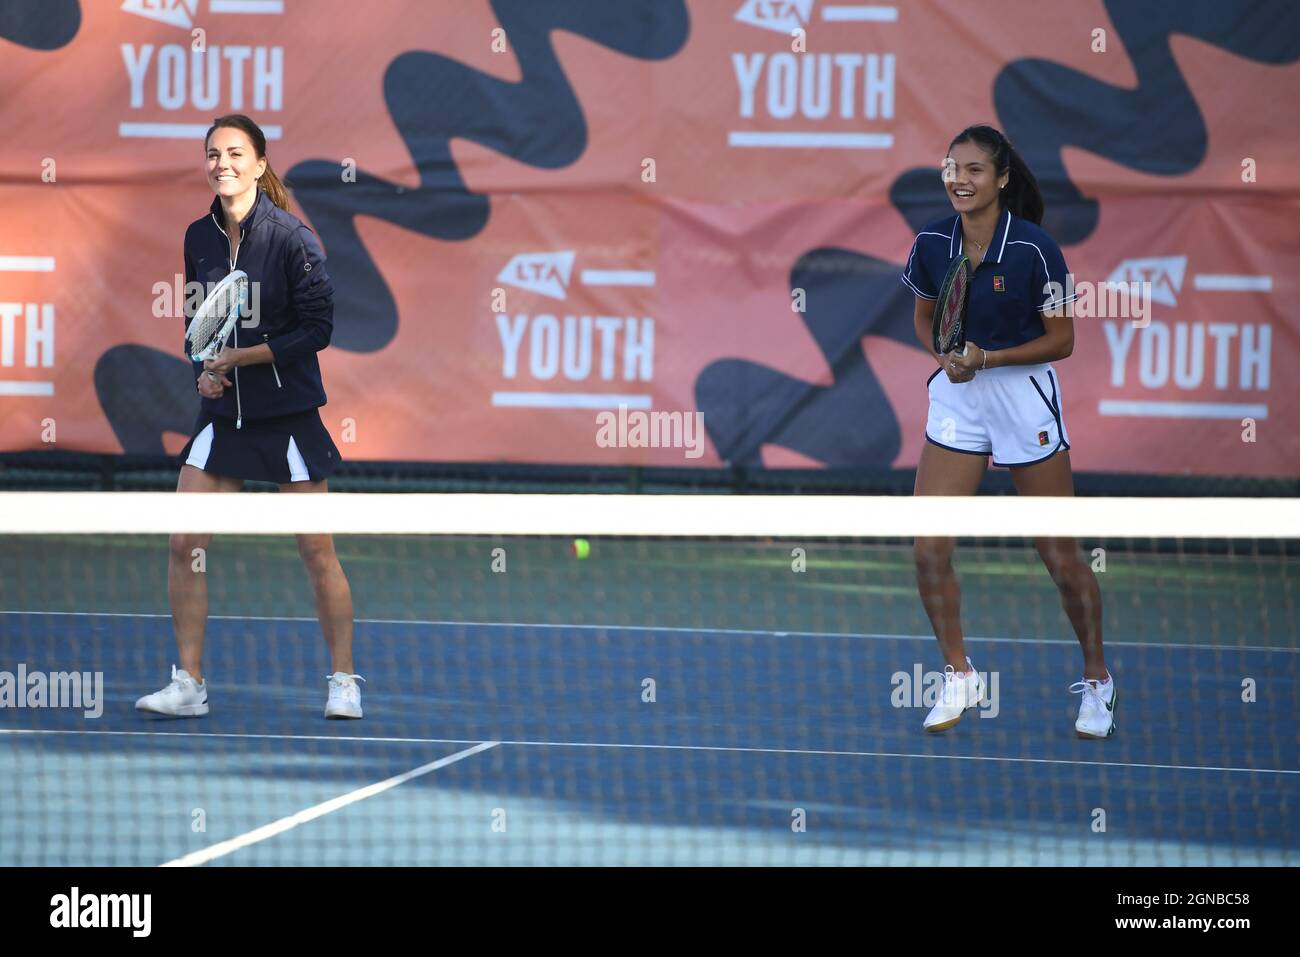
(183, 698)
(1097, 709)
(959, 692)
(345, 696)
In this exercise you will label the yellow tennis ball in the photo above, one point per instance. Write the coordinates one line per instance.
(581, 548)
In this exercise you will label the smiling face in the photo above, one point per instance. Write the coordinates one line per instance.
(971, 179)
(233, 165)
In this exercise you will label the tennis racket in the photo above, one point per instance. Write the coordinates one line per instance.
(212, 324)
(950, 311)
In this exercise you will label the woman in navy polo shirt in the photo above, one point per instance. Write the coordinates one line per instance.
(258, 418)
(1002, 399)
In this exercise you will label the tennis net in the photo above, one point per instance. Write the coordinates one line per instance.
(720, 680)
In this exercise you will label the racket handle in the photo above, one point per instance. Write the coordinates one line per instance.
(964, 350)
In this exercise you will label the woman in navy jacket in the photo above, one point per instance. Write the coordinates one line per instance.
(258, 418)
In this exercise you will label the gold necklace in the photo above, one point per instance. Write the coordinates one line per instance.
(978, 245)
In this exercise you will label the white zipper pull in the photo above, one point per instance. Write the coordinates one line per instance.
(266, 337)
(239, 405)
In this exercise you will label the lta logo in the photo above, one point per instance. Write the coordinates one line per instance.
(782, 16)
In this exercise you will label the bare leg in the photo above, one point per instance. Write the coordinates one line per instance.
(187, 580)
(333, 594)
(1080, 592)
(944, 472)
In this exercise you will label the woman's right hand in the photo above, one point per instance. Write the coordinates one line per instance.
(962, 368)
(211, 388)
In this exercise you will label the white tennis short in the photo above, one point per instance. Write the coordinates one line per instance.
(1012, 413)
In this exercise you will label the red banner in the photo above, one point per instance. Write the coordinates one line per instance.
(538, 213)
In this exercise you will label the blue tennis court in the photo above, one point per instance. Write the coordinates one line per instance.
(536, 744)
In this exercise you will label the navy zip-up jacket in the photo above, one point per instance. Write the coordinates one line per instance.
(294, 301)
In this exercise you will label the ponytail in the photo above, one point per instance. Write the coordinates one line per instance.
(270, 183)
(1021, 194)
(274, 188)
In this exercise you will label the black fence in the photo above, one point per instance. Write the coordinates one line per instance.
(74, 471)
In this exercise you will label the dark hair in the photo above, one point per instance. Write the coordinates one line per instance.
(1021, 194)
(269, 183)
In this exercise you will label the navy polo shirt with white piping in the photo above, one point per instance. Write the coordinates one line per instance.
(1010, 289)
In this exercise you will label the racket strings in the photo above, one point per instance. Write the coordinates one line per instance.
(952, 307)
(214, 314)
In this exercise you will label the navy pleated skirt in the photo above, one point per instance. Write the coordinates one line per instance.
(282, 449)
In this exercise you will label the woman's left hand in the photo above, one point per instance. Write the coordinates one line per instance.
(962, 368)
(224, 363)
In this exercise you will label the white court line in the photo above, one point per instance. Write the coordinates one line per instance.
(320, 810)
(875, 636)
(660, 747)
